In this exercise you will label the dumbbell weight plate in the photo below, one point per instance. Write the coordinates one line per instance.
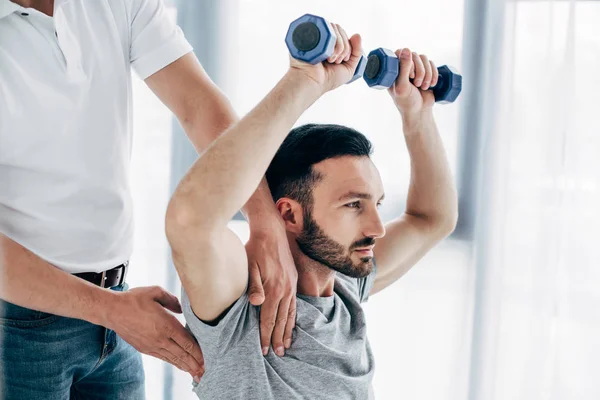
(310, 39)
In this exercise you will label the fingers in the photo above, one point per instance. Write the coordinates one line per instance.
(339, 44)
(278, 331)
(435, 72)
(166, 357)
(191, 348)
(348, 48)
(290, 324)
(166, 299)
(256, 292)
(268, 316)
(419, 69)
(428, 73)
(343, 48)
(174, 334)
(170, 358)
(182, 359)
(422, 71)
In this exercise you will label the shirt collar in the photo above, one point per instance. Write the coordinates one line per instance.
(7, 7)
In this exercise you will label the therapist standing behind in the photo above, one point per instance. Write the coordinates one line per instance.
(69, 327)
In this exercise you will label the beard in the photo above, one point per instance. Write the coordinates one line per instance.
(317, 246)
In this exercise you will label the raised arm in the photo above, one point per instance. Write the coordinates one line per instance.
(432, 205)
(227, 173)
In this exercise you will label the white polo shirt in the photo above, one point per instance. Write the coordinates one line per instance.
(66, 124)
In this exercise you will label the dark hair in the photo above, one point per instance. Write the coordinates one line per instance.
(291, 172)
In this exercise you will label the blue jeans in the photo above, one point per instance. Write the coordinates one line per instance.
(44, 356)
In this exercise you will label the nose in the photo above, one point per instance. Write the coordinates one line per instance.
(374, 227)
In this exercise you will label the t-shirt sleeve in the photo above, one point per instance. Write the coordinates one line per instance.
(155, 39)
(239, 319)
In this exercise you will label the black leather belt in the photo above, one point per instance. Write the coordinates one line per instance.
(106, 279)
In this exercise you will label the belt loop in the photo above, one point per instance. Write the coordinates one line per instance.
(103, 279)
(125, 268)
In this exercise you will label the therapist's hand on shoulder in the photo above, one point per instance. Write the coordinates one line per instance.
(273, 280)
(141, 317)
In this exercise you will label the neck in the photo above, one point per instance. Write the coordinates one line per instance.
(314, 279)
(43, 6)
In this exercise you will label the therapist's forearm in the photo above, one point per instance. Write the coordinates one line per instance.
(204, 126)
(260, 207)
(28, 281)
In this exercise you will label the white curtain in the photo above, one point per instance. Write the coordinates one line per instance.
(537, 333)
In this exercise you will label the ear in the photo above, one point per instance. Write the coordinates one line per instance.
(292, 214)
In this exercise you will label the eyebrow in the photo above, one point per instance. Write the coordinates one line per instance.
(358, 195)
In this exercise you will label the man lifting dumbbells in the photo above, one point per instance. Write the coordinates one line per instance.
(327, 191)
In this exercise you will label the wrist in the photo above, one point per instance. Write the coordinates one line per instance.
(416, 121)
(265, 224)
(105, 303)
(304, 82)
(260, 206)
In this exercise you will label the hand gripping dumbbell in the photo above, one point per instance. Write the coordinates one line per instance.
(383, 67)
(311, 39)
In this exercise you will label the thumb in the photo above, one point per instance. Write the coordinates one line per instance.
(406, 66)
(168, 301)
(256, 293)
(356, 44)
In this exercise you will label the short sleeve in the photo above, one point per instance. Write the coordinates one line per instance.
(156, 40)
(238, 321)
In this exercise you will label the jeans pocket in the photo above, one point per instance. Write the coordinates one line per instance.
(12, 315)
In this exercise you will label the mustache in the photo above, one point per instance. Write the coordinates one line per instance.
(368, 241)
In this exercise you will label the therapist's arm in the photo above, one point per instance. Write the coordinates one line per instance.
(139, 316)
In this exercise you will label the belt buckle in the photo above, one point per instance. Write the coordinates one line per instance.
(103, 279)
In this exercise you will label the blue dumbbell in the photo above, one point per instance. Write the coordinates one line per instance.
(311, 39)
(383, 67)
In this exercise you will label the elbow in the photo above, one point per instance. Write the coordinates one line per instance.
(447, 224)
(184, 223)
(442, 224)
(178, 214)
(175, 222)
(447, 217)
(181, 221)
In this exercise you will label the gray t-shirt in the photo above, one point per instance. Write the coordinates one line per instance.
(330, 357)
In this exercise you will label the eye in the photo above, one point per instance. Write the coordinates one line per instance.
(354, 204)
(379, 205)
